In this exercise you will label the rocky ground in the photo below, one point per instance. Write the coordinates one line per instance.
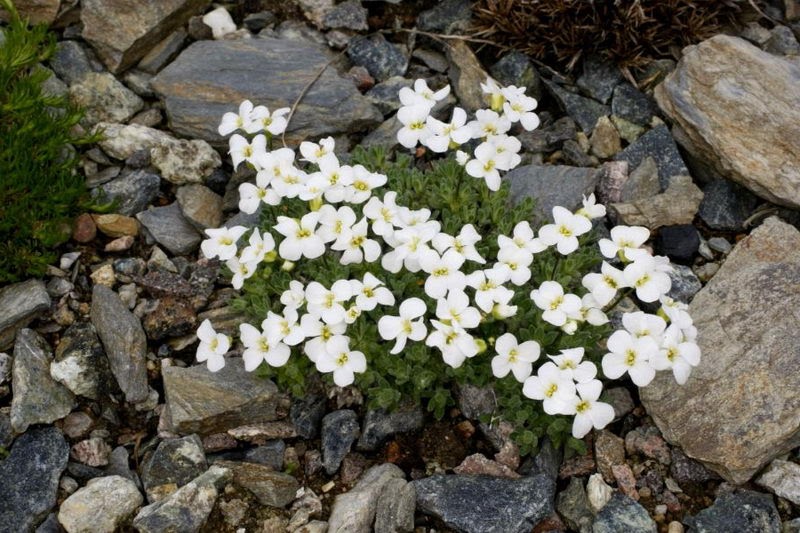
(105, 423)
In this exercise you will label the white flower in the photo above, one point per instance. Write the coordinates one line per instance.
(496, 98)
(222, 242)
(456, 310)
(446, 135)
(251, 195)
(591, 311)
(641, 324)
(514, 265)
(464, 243)
(241, 271)
(415, 128)
(488, 285)
(632, 355)
(554, 387)
(514, 357)
(676, 312)
(258, 348)
(625, 241)
(444, 274)
(408, 325)
(242, 150)
(260, 245)
(523, 238)
(319, 335)
(591, 209)
(332, 178)
(519, 107)
(352, 314)
(313, 152)
(502, 309)
(556, 305)
(383, 214)
(421, 95)
(488, 123)
(355, 246)
(333, 223)
(262, 120)
(590, 413)
(462, 158)
(507, 149)
(283, 328)
(327, 304)
(370, 293)
(343, 362)
(300, 237)
(364, 182)
(676, 353)
(236, 121)
(644, 276)
(409, 244)
(455, 344)
(565, 231)
(213, 346)
(295, 295)
(570, 363)
(604, 285)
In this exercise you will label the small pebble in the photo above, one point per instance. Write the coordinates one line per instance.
(67, 260)
(719, 244)
(675, 527)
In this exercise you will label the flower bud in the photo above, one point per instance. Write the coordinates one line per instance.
(270, 256)
(287, 266)
(315, 204)
(570, 327)
(497, 102)
(481, 344)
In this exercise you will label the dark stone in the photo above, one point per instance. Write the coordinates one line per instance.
(726, 205)
(547, 461)
(599, 78)
(584, 111)
(119, 465)
(349, 15)
(84, 363)
(160, 283)
(274, 489)
(82, 472)
(129, 266)
(384, 94)
(782, 42)
(575, 156)
(339, 432)
(679, 243)
(572, 504)
(483, 504)
(174, 464)
(19, 304)
(380, 57)
(515, 68)
(446, 16)
(169, 227)
(270, 454)
(622, 513)
(551, 185)
(744, 512)
(30, 477)
(164, 52)
(658, 144)
(549, 138)
(379, 425)
(256, 22)
(133, 191)
(71, 62)
(633, 105)
(306, 414)
(685, 470)
(685, 284)
(50, 525)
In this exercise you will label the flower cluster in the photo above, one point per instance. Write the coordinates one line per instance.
(462, 290)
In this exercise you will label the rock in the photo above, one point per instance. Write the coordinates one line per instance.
(547, 461)
(466, 74)
(172, 317)
(725, 128)
(384, 94)
(621, 400)
(378, 425)
(306, 414)
(91, 452)
(354, 511)
(102, 505)
(200, 205)
(395, 507)
(30, 477)
(380, 57)
(677, 205)
(384, 135)
(204, 402)
(685, 283)
(164, 52)
(81, 364)
(124, 342)
(515, 68)
(271, 488)
(483, 503)
(720, 244)
(270, 454)
(609, 450)
(339, 432)
(684, 470)
(622, 513)
(104, 275)
(598, 492)
(599, 78)
(783, 479)
(104, 99)
(613, 177)
(19, 304)
(744, 512)
(83, 229)
(188, 508)
(723, 416)
(181, 161)
(726, 205)
(267, 71)
(120, 244)
(658, 144)
(632, 105)
(349, 15)
(116, 225)
(648, 442)
(477, 463)
(679, 243)
(123, 31)
(447, 16)
(643, 182)
(38, 399)
(605, 139)
(71, 62)
(133, 192)
(36, 11)
(585, 111)
(174, 464)
(552, 185)
(169, 228)
(782, 42)
(572, 505)
(220, 22)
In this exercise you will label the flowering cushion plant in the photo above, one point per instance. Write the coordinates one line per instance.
(408, 277)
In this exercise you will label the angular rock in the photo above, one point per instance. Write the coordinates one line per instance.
(19, 304)
(378, 425)
(677, 205)
(306, 414)
(172, 317)
(724, 416)
(102, 505)
(30, 477)
(643, 182)
(585, 111)
(466, 74)
(573, 506)
(658, 144)
(174, 464)
(384, 94)
(271, 488)
(551, 185)
(745, 511)
(188, 508)
(270, 454)
(204, 402)
(515, 68)
(395, 507)
(123, 31)
(115, 225)
(169, 228)
(350, 15)
(726, 205)
(632, 105)
(132, 192)
(609, 450)
(38, 399)
(679, 242)
(355, 510)
(783, 479)
(71, 62)
(599, 78)
(719, 97)
(124, 341)
(164, 52)
(478, 504)
(447, 16)
(339, 432)
(81, 364)
(685, 283)
(104, 98)
(200, 205)
(622, 513)
(91, 452)
(36, 11)
(267, 71)
(605, 139)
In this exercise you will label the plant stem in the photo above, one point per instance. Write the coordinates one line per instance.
(555, 267)
(618, 299)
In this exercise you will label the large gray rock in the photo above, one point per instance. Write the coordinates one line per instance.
(483, 504)
(170, 228)
(124, 341)
(551, 185)
(743, 512)
(205, 402)
(174, 463)
(19, 304)
(123, 31)
(741, 405)
(104, 98)
(676, 205)
(38, 399)
(132, 192)
(30, 477)
(782, 478)
(622, 513)
(354, 511)
(101, 506)
(81, 364)
(271, 488)
(210, 77)
(737, 109)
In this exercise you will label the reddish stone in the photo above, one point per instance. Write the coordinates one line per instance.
(479, 464)
(625, 480)
(120, 245)
(361, 78)
(84, 229)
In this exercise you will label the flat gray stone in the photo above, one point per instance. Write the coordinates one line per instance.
(622, 513)
(584, 111)
(552, 185)
(170, 228)
(102, 506)
(209, 78)
(133, 191)
(379, 425)
(745, 511)
(19, 304)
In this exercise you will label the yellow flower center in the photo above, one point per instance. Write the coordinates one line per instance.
(551, 390)
(513, 356)
(630, 357)
(441, 271)
(342, 359)
(556, 302)
(583, 406)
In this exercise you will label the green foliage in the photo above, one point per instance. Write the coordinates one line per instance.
(418, 374)
(39, 186)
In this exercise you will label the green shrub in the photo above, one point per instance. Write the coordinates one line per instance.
(41, 189)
